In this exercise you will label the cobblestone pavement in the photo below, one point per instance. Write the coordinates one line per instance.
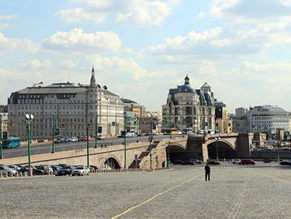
(180, 192)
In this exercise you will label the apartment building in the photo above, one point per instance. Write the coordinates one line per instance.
(70, 108)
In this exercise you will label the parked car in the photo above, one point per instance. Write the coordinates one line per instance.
(66, 170)
(67, 140)
(213, 162)
(80, 138)
(34, 170)
(74, 139)
(93, 168)
(46, 169)
(246, 161)
(56, 169)
(86, 138)
(6, 170)
(177, 161)
(235, 161)
(59, 140)
(101, 137)
(285, 162)
(14, 167)
(196, 161)
(81, 171)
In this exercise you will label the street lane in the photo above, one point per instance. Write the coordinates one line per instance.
(47, 148)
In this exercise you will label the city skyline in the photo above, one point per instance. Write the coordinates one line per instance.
(140, 49)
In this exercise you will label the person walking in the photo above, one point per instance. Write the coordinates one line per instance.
(207, 172)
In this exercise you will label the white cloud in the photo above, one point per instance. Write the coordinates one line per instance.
(128, 12)
(36, 65)
(80, 15)
(4, 25)
(188, 42)
(145, 13)
(78, 41)
(8, 17)
(68, 64)
(9, 44)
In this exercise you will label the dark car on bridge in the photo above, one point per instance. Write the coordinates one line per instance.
(177, 161)
(213, 162)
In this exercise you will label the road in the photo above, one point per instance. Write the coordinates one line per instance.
(260, 191)
(47, 148)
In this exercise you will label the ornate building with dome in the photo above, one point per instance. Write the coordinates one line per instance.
(189, 109)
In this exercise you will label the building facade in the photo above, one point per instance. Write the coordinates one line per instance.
(268, 118)
(222, 122)
(72, 109)
(189, 109)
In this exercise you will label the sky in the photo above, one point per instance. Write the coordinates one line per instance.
(142, 48)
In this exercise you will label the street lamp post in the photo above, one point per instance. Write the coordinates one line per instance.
(29, 119)
(88, 155)
(169, 153)
(217, 139)
(1, 139)
(150, 141)
(53, 133)
(125, 130)
(66, 125)
(96, 130)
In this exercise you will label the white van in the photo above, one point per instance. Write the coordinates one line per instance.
(130, 134)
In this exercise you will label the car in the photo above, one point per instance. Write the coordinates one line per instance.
(100, 137)
(46, 169)
(177, 161)
(57, 140)
(93, 168)
(74, 139)
(80, 138)
(6, 170)
(81, 171)
(246, 161)
(235, 161)
(66, 170)
(14, 167)
(34, 170)
(285, 162)
(67, 140)
(196, 161)
(86, 138)
(60, 140)
(213, 162)
(55, 168)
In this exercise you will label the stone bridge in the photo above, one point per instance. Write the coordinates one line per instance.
(218, 146)
(134, 155)
(142, 155)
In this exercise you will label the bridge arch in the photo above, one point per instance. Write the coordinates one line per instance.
(110, 162)
(221, 149)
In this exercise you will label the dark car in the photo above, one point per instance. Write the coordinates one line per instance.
(285, 162)
(47, 169)
(177, 162)
(56, 169)
(66, 170)
(246, 161)
(34, 170)
(93, 168)
(213, 162)
(196, 161)
(80, 138)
